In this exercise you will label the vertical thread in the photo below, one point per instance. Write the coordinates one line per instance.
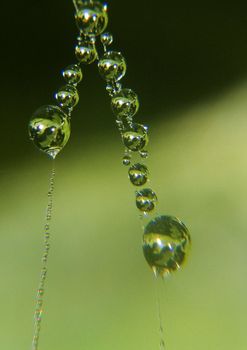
(41, 287)
(160, 320)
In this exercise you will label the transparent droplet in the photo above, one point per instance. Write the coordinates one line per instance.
(166, 242)
(112, 66)
(92, 18)
(135, 137)
(113, 88)
(86, 53)
(67, 96)
(125, 103)
(144, 154)
(138, 174)
(49, 129)
(146, 200)
(126, 159)
(72, 74)
(106, 39)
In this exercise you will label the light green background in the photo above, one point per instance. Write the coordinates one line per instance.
(100, 292)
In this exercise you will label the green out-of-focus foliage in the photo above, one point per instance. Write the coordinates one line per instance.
(101, 292)
(187, 61)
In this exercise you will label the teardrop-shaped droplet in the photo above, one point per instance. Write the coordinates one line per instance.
(49, 129)
(166, 242)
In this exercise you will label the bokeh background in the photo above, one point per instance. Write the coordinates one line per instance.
(188, 63)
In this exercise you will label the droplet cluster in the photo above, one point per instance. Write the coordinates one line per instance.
(165, 250)
(49, 127)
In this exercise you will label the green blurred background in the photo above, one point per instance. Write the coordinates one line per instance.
(188, 63)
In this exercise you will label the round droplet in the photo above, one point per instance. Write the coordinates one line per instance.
(49, 129)
(67, 96)
(166, 242)
(106, 39)
(125, 103)
(92, 18)
(144, 154)
(126, 159)
(86, 53)
(135, 137)
(138, 174)
(72, 74)
(146, 200)
(112, 66)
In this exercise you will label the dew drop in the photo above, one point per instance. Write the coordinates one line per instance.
(72, 74)
(49, 129)
(166, 242)
(125, 103)
(112, 66)
(146, 200)
(138, 174)
(135, 137)
(92, 18)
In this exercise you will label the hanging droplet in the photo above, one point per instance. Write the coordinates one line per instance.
(112, 66)
(138, 174)
(106, 39)
(125, 103)
(49, 129)
(144, 154)
(92, 18)
(146, 200)
(86, 53)
(67, 96)
(135, 138)
(72, 74)
(126, 159)
(166, 242)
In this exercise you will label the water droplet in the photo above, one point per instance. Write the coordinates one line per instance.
(49, 129)
(125, 103)
(92, 18)
(146, 200)
(138, 174)
(144, 154)
(106, 39)
(126, 159)
(135, 138)
(86, 53)
(67, 96)
(112, 66)
(72, 74)
(166, 242)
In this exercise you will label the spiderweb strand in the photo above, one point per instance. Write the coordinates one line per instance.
(160, 320)
(42, 281)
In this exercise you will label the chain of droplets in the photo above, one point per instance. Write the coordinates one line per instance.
(41, 288)
(125, 104)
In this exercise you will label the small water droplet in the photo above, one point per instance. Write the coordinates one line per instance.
(146, 200)
(138, 174)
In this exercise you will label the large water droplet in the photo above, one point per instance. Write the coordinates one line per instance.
(49, 129)
(166, 241)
